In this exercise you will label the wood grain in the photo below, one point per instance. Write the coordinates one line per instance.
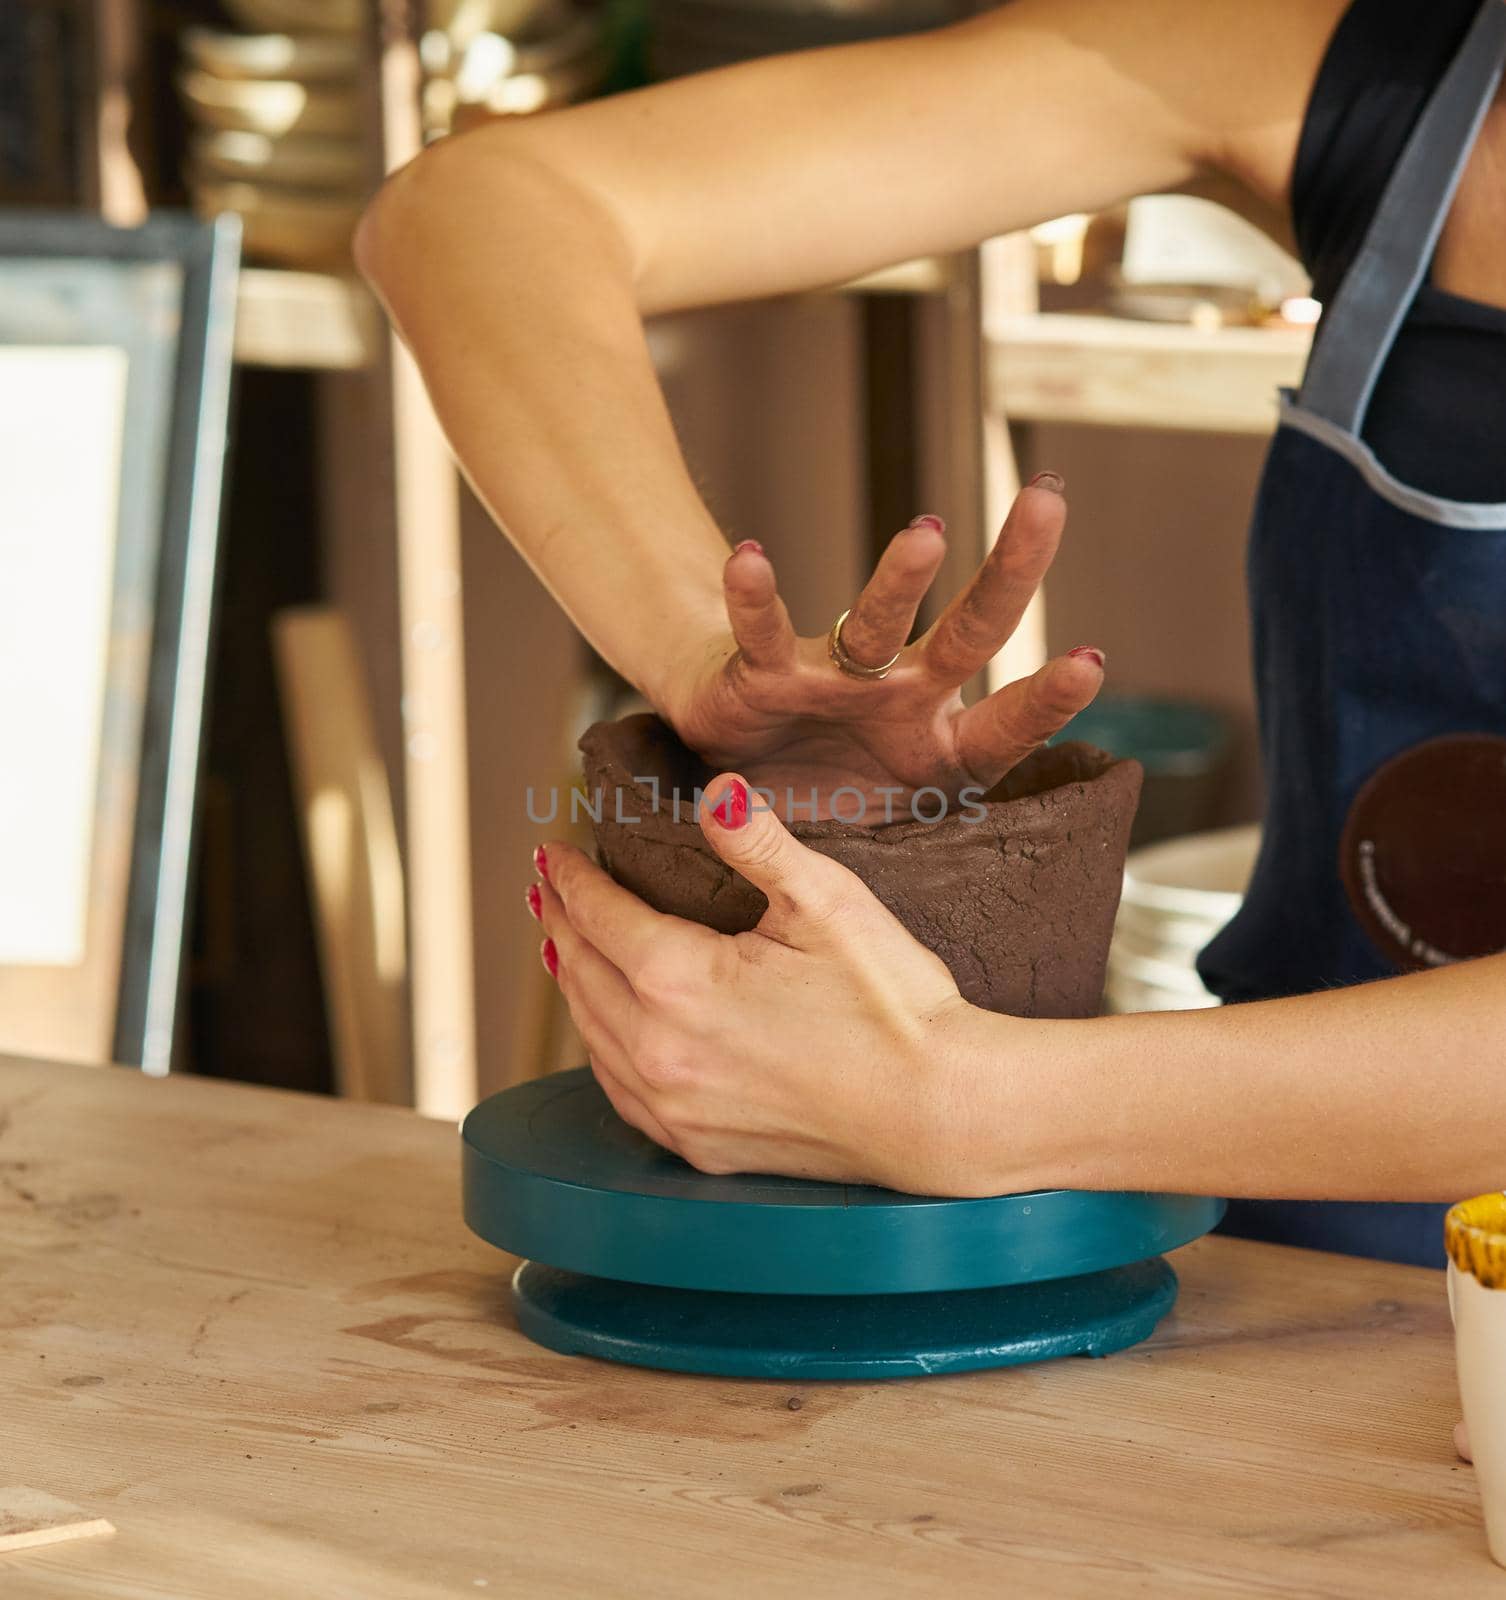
(251, 1328)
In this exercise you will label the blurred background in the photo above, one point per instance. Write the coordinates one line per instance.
(383, 678)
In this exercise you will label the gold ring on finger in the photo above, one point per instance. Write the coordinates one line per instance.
(845, 663)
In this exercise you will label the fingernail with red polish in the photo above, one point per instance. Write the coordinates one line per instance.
(550, 957)
(541, 863)
(1048, 480)
(535, 901)
(1090, 652)
(929, 520)
(748, 544)
(731, 811)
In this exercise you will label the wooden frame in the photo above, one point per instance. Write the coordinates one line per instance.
(162, 294)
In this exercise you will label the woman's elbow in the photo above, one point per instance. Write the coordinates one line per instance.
(404, 216)
(395, 214)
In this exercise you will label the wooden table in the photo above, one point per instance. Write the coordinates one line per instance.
(250, 1329)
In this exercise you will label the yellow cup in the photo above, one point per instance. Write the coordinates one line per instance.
(1474, 1234)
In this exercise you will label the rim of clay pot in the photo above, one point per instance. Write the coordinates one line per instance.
(1047, 770)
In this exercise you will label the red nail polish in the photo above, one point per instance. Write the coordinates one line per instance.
(550, 957)
(1090, 651)
(929, 520)
(535, 901)
(731, 811)
(748, 544)
(1048, 480)
(541, 863)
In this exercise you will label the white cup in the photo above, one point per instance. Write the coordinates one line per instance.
(1475, 1235)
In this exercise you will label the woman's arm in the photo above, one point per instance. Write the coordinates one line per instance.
(827, 1043)
(1394, 1090)
(519, 260)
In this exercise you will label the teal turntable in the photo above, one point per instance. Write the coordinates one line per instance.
(632, 1255)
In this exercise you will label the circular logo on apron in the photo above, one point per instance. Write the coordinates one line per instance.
(1423, 854)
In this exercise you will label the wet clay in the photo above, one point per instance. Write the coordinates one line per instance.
(1019, 904)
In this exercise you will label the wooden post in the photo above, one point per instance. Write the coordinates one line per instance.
(426, 490)
(1007, 287)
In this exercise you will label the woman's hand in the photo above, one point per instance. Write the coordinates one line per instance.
(827, 1043)
(776, 707)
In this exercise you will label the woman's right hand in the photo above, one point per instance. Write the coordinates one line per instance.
(775, 707)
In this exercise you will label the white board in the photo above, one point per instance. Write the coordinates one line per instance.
(62, 415)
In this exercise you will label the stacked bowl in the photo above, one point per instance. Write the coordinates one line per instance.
(277, 124)
(285, 134)
(493, 58)
(1177, 895)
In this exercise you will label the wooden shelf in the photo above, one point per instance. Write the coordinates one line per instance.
(924, 275)
(309, 320)
(1055, 367)
(322, 321)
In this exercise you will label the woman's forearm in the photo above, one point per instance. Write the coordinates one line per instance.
(1386, 1091)
(515, 293)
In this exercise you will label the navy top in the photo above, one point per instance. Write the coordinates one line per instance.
(1436, 418)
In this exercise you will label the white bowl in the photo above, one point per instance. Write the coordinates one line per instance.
(1123, 993)
(1181, 951)
(1167, 975)
(1201, 875)
(1166, 930)
(1177, 895)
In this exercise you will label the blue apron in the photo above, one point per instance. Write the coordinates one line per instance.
(1379, 619)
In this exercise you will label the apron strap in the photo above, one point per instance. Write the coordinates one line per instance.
(1360, 321)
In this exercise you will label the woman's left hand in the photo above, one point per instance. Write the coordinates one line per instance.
(826, 1043)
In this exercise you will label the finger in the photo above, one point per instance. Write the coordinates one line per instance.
(626, 1104)
(881, 617)
(976, 624)
(602, 1007)
(801, 885)
(1003, 729)
(601, 985)
(1461, 1441)
(607, 1061)
(615, 921)
(760, 623)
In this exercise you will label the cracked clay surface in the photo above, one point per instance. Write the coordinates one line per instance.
(1020, 904)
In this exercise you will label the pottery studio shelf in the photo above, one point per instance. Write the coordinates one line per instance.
(1042, 367)
(312, 320)
(321, 321)
(1110, 371)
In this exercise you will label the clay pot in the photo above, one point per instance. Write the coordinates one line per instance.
(1019, 904)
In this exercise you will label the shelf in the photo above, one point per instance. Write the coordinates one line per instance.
(322, 321)
(309, 320)
(924, 275)
(1056, 367)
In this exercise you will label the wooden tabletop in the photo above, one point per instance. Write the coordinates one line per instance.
(250, 1329)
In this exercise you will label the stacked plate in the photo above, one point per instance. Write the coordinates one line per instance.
(1177, 895)
(509, 58)
(280, 121)
(277, 130)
